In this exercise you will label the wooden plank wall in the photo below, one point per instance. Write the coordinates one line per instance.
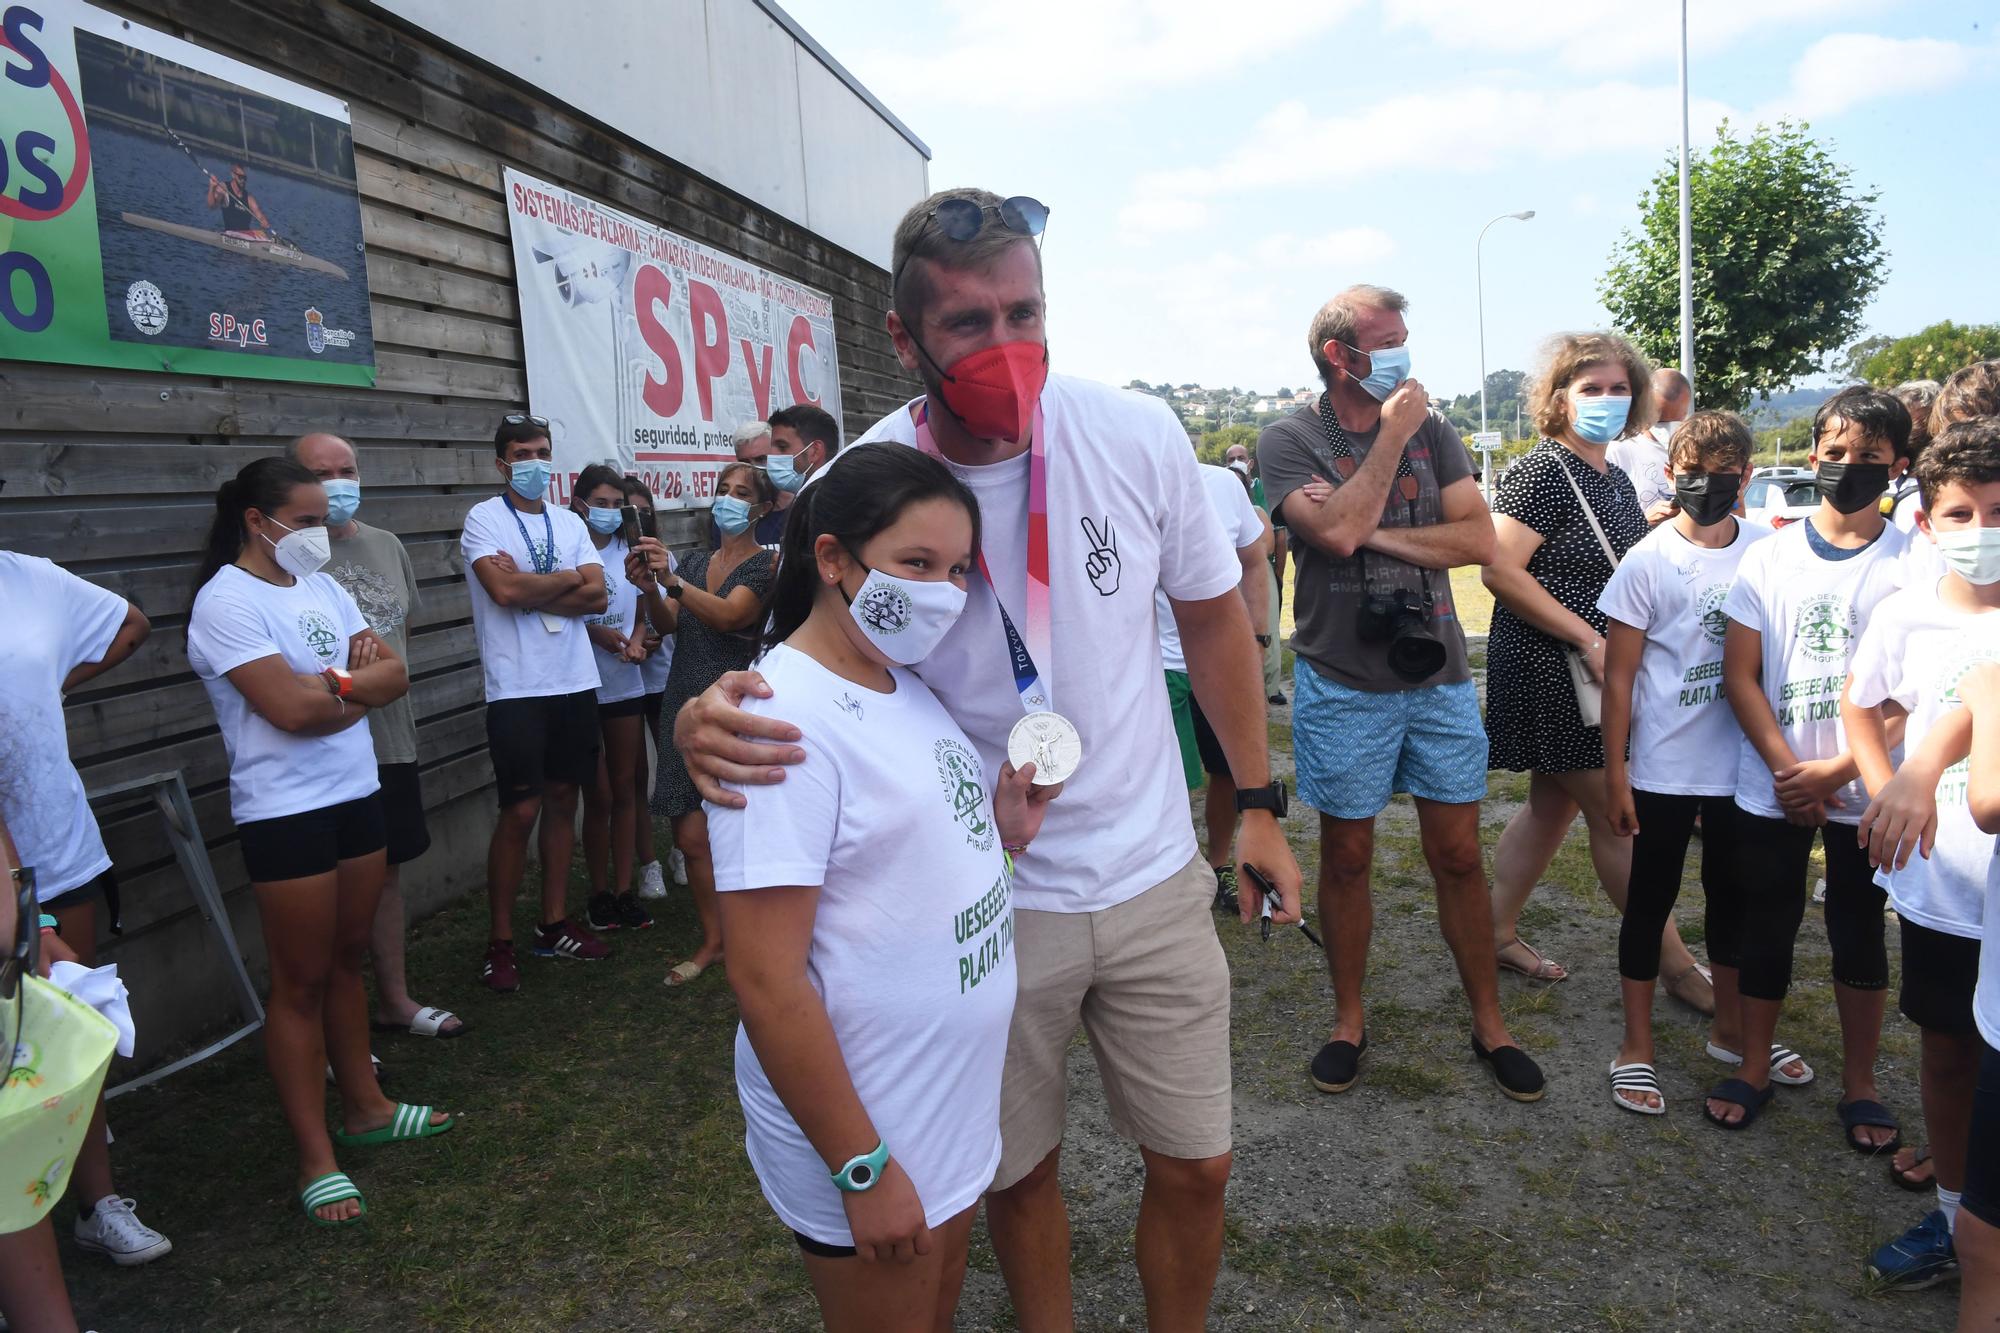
(113, 473)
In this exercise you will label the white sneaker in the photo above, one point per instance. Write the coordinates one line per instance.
(113, 1230)
(679, 865)
(651, 883)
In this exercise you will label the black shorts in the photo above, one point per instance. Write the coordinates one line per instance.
(1982, 1164)
(632, 707)
(1940, 972)
(87, 892)
(1213, 761)
(820, 1249)
(655, 703)
(312, 842)
(403, 812)
(544, 740)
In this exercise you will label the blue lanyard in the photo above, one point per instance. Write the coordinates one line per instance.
(548, 528)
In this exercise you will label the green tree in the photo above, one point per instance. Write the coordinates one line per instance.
(1931, 354)
(1211, 447)
(1787, 252)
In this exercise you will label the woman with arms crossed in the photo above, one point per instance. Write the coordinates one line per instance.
(867, 905)
(292, 669)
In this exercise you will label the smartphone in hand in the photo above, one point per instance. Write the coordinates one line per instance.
(649, 526)
(628, 524)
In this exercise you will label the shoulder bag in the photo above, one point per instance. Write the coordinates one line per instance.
(1589, 692)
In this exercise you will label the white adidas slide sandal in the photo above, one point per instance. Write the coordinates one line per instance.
(1636, 1077)
(1781, 1055)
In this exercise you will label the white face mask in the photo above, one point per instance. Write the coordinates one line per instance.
(1972, 553)
(905, 618)
(301, 552)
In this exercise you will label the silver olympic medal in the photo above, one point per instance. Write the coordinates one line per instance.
(1050, 742)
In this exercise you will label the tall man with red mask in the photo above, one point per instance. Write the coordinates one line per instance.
(1089, 499)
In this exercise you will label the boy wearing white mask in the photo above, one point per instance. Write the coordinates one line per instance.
(374, 567)
(533, 575)
(1920, 643)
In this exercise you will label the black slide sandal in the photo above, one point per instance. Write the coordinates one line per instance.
(1752, 1100)
(1853, 1115)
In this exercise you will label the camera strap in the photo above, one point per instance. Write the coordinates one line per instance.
(1340, 448)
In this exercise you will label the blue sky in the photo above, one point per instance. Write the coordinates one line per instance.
(1216, 168)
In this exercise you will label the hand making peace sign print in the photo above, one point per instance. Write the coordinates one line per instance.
(1102, 562)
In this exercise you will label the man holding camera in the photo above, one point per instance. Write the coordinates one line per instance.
(1382, 502)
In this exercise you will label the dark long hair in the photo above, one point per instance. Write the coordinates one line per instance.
(588, 480)
(264, 484)
(864, 490)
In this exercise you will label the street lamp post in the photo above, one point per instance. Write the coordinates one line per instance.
(1687, 227)
(1479, 282)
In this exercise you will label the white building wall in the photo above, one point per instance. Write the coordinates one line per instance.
(732, 89)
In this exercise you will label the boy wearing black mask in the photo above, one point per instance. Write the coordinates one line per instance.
(1799, 605)
(1663, 691)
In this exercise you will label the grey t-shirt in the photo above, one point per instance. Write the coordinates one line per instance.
(1290, 453)
(376, 571)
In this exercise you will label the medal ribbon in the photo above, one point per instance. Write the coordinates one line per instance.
(1022, 653)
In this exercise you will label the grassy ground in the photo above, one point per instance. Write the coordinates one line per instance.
(598, 1180)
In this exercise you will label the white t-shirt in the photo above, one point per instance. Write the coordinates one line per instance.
(654, 669)
(1119, 468)
(1909, 503)
(1242, 528)
(912, 943)
(1914, 651)
(522, 658)
(1643, 458)
(1810, 610)
(55, 622)
(617, 680)
(1684, 738)
(240, 618)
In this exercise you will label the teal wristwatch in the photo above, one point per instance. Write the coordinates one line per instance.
(862, 1172)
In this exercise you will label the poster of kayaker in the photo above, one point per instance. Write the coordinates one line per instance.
(167, 208)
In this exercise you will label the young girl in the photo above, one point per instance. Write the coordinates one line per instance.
(867, 904)
(292, 669)
(659, 660)
(618, 643)
(715, 603)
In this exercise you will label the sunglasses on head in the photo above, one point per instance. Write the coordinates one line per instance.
(525, 419)
(962, 219)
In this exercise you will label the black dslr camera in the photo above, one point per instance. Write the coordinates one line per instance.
(1402, 619)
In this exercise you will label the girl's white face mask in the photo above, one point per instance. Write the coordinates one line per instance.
(301, 552)
(905, 618)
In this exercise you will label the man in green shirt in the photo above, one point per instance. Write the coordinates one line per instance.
(375, 569)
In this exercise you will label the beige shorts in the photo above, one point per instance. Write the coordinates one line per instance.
(1150, 984)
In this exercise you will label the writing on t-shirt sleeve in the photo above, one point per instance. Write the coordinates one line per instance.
(1628, 596)
(785, 836)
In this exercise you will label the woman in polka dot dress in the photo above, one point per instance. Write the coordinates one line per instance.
(1545, 578)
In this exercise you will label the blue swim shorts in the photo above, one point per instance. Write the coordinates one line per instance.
(1354, 749)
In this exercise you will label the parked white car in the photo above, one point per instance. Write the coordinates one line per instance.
(1771, 496)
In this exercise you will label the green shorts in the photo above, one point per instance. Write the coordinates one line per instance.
(1180, 693)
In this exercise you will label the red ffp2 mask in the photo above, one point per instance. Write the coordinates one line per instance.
(993, 391)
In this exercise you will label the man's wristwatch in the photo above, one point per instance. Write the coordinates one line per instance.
(674, 589)
(862, 1172)
(339, 683)
(1270, 798)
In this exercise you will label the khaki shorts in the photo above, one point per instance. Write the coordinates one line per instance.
(1149, 982)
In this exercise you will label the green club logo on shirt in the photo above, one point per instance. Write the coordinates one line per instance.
(1826, 627)
(958, 769)
(1708, 606)
(319, 634)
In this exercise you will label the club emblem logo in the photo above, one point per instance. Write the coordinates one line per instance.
(958, 769)
(319, 634)
(1826, 628)
(1708, 606)
(146, 307)
(884, 608)
(315, 331)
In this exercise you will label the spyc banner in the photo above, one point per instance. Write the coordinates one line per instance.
(647, 349)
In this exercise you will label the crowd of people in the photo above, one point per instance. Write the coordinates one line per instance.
(932, 807)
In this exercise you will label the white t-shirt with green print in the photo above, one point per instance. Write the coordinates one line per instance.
(1811, 610)
(1915, 651)
(913, 941)
(1684, 738)
(239, 618)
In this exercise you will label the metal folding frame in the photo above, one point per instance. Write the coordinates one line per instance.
(169, 796)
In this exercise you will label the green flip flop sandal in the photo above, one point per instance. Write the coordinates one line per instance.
(332, 1187)
(409, 1122)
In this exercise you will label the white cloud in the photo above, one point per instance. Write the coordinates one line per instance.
(1607, 34)
(1033, 55)
(1849, 68)
(1464, 128)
